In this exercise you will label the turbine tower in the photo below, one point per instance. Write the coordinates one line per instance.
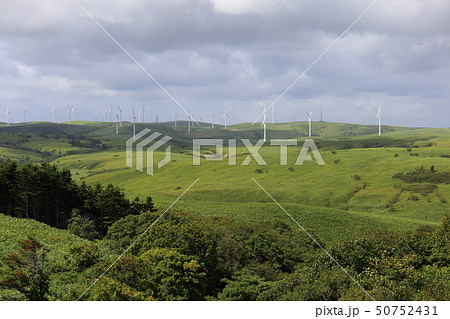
(106, 115)
(379, 120)
(212, 120)
(73, 112)
(264, 122)
(189, 122)
(309, 121)
(175, 118)
(273, 115)
(142, 111)
(7, 116)
(24, 114)
(53, 114)
(69, 112)
(134, 124)
(225, 115)
(120, 115)
(117, 122)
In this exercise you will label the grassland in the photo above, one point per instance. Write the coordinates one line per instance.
(353, 192)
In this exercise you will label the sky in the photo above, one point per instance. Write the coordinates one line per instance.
(233, 56)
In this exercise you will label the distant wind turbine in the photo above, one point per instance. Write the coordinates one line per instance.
(273, 116)
(69, 112)
(134, 124)
(24, 114)
(189, 121)
(264, 123)
(73, 112)
(309, 121)
(379, 120)
(8, 114)
(212, 120)
(175, 118)
(106, 115)
(225, 115)
(53, 114)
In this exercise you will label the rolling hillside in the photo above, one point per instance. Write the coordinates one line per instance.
(355, 187)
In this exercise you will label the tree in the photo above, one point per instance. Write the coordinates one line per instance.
(82, 226)
(26, 270)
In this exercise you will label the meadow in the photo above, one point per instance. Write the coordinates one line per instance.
(354, 191)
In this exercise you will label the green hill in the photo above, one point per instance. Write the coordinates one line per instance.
(355, 184)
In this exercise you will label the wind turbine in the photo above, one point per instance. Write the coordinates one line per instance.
(273, 116)
(117, 122)
(309, 121)
(120, 115)
(134, 124)
(175, 118)
(53, 114)
(212, 120)
(7, 116)
(264, 123)
(151, 117)
(95, 118)
(111, 113)
(379, 120)
(24, 114)
(143, 114)
(69, 112)
(73, 112)
(189, 121)
(225, 115)
(156, 118)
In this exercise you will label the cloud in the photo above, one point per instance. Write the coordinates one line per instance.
(246, 53)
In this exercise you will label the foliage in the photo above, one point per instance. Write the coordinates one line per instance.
(26, 271)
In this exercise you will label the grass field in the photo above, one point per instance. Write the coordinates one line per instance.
(353, 192)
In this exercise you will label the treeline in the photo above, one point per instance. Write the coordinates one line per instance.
(50, 195)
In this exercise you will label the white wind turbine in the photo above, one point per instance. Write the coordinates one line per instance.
(117, 122)
(309, 121)
(379, 120)
(175, 118)
(189, 121)
(73, 112)
(225, 115)
(120, 115)
(212, 120)
(106, 115)
(8, 114)
(69, 112)
(24, 114)
(53, 114)
(264, 123)
(134, 124)
(273, 115)
(111, 113)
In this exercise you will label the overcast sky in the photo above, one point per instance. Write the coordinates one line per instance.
(239, 55)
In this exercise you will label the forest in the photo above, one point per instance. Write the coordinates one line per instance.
(186, 256)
